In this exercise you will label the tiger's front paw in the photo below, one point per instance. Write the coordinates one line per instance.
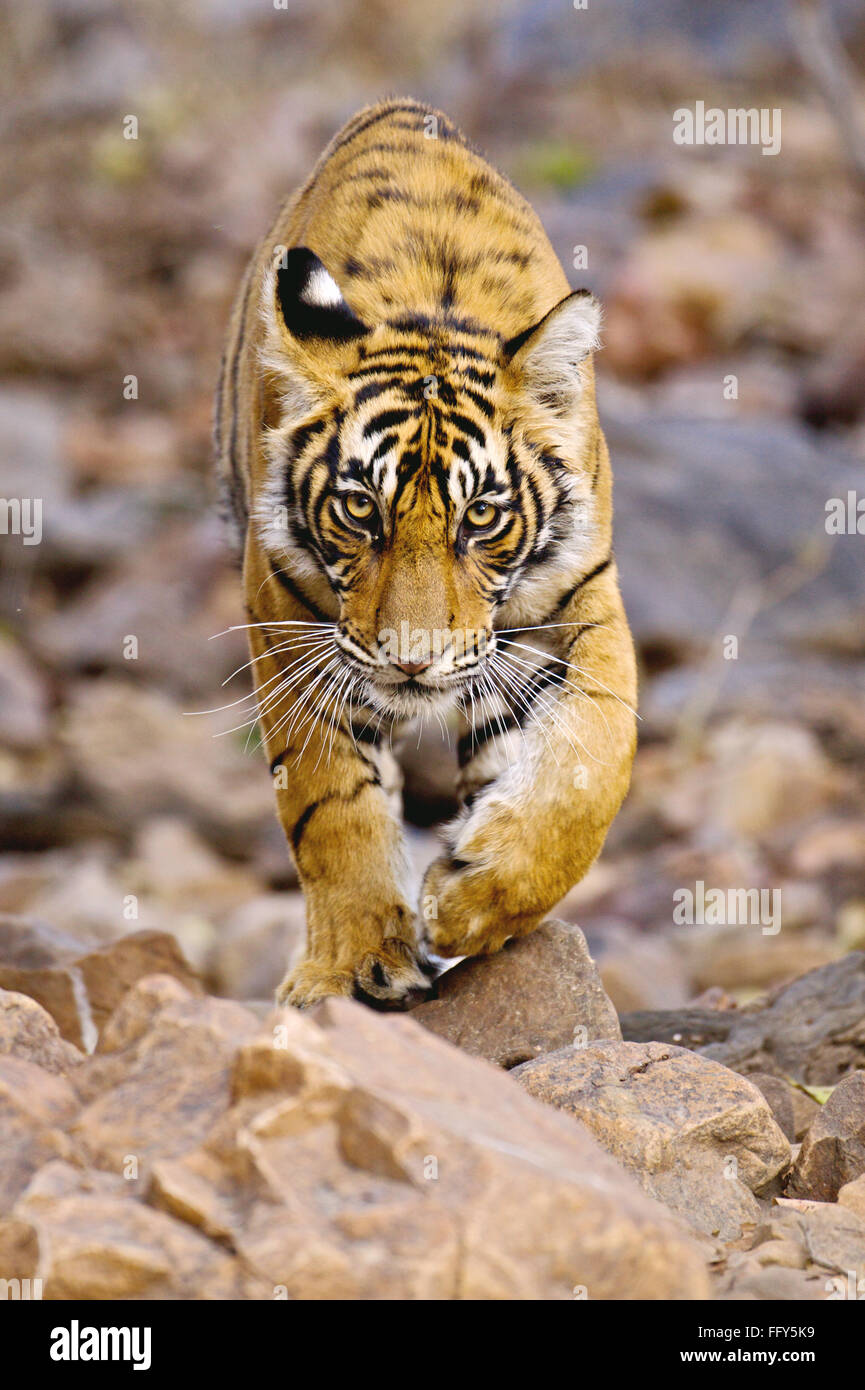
(470, 911)
(390, 976)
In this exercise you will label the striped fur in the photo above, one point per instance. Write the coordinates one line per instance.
(408, 441)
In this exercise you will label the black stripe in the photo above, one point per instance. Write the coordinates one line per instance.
(297, 593)
(587, 578)
(397, 108)
(303, 821)
(467, 426)
(385, 420)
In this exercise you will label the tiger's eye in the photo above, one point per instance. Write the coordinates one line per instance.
(481, 514)
(358, 506)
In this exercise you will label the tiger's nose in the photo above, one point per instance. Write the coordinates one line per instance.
(412, 668)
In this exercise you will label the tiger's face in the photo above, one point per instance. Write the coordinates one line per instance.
(430, 473)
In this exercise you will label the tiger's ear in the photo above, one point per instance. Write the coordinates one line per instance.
(548, 355)
(310, 302)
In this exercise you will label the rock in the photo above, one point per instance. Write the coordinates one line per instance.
(766, 774)
(805, 1109)
(35, 1109)
(160, 1077)
(779, 1097)
(81, 990)
(833, 1237)
(254, 946)
(537, 994)
(811, 1030)
(362, 1157)
(185, 774)
(28, 1031)
(642, 972)
(741, 957)
(697, 1136)
(833, 1150)
(96, 1242)
(852, 1196)
(769, 479)
(19, 1250)
(840, 844)
(691, 1027)
(774, 1283)
(23, 700)
(176, 570)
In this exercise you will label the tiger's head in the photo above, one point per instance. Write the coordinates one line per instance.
(428, 468)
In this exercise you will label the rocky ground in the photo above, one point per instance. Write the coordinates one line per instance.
(163, 1135)
(510, 1139)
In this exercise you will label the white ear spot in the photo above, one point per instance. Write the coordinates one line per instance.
(550, 358)
(321, 290)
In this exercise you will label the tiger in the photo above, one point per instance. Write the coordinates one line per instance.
(408, 440)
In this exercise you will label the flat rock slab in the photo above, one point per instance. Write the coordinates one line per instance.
(833, 1150)
(537, 994)
(697, 1136)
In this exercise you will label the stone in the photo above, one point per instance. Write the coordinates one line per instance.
(185, 774)
(778, 1094)
(833, 1236)
(36, 1108)
(96, 1242)
(160, 1077)
(19, 1250)
(741, 957)
(537, 994)
(697, 1136)
(642, 972)
(852, 1196)
(28, 1031)
(24, 720)
(775, 1283)
(81, 990)
(805, 1109)
(833, 1150)
(254, 946)
(364, 1157)
(811, 1030)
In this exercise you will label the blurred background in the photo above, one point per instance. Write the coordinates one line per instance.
(731, 390)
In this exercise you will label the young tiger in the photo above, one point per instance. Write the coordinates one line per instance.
(407, 432)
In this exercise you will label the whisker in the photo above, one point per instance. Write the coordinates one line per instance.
(283, 622)
(542, 627)
(517, 661)
(569, 735)
(572, 665)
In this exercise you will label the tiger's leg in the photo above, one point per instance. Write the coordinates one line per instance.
(335, 800)
(534, 829)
